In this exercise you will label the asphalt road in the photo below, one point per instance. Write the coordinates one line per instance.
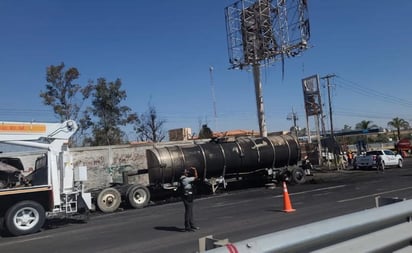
(236, 215)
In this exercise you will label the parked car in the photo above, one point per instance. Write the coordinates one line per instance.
(368, 160)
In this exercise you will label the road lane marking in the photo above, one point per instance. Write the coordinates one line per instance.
(25, 240)
(231, 203)
(373, 195)
(319, 189)
(315, 190)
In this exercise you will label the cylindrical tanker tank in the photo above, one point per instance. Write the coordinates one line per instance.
(215, 159)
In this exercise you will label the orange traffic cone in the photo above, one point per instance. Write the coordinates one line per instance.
(287, 206)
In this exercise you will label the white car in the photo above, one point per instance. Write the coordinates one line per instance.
(368, 160)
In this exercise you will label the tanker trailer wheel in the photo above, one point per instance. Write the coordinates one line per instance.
(298, 176)
(25, 217)
(138, 196)
(109, 200)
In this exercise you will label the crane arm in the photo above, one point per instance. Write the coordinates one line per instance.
(29, 131)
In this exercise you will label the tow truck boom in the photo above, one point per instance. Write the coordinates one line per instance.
(54, 187)
(11, 131)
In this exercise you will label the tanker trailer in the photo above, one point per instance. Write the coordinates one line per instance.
(273, 157)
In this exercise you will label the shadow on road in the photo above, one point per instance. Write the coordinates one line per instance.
(171, 228)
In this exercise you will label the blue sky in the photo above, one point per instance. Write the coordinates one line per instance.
(162, 52)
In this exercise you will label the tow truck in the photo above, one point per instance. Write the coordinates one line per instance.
(55, 188)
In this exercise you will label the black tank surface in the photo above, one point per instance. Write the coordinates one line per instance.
(228, 159)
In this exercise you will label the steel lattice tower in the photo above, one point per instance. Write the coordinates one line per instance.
(260, 32)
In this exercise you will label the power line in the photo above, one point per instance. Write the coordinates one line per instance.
(327, 77)
(212, 86)
(358, 89)
(15, 114)
(373, 93)
(362, 114)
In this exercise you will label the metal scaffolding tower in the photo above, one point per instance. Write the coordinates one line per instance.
(261, 32)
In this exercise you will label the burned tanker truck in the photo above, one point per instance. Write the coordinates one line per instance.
(219, 162)
(271, 159)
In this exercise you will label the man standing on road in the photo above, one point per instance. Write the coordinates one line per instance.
(307, 166)
(186, 181)
(380, 165)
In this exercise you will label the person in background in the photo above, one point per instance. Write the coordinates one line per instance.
(350, 157)
(380, 165)
(307, 166)
(186, 180)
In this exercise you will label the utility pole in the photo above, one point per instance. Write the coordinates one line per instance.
(294, 117)
(212, 85)
(259, 100)
(327, 77)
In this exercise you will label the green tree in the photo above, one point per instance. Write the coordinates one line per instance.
(381, 138)
(365, 124)
(149, 127)
(110, 115)
(398, 124)
(347, 128)
(62, 92)
(205, 132)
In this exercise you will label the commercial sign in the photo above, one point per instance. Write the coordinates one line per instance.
(311, 95)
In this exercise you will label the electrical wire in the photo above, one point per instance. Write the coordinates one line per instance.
(373, 93)
(354, 87)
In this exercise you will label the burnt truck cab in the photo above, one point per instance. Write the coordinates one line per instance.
(11, 169)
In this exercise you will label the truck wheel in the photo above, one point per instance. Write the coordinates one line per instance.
(138, 196)
(298, 176)
(109, 200)
(400, 163)
(25, 217)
